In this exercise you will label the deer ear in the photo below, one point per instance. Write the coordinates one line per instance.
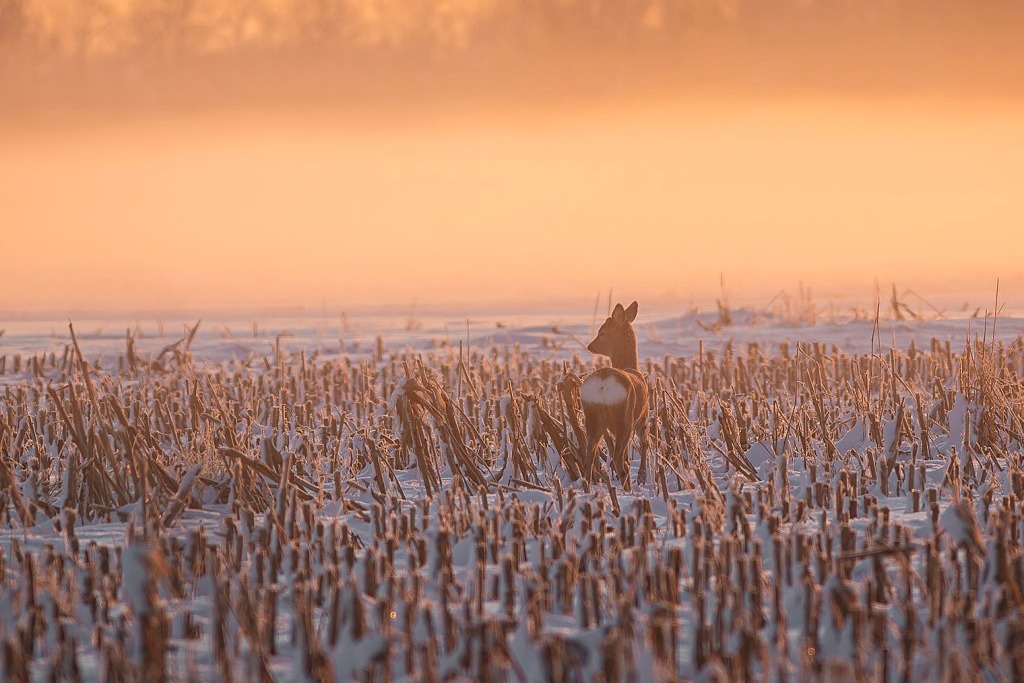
(619, 314)
(631, 313)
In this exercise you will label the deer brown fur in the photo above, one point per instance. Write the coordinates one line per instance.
(615, 399)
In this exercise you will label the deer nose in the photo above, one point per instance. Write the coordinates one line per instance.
(590, 346)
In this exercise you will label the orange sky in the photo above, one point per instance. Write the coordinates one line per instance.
(311, 208)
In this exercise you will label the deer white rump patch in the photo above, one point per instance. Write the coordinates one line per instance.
(606, 391)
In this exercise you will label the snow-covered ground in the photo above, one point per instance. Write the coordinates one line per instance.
(556, 335)
(311, 518)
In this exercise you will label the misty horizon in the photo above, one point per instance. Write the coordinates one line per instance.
(270, 155)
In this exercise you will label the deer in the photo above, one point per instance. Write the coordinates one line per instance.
(615, 399)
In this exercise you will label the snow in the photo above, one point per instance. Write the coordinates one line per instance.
(234, 340)
(585, 518)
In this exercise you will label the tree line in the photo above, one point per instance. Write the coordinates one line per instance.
(476, 36)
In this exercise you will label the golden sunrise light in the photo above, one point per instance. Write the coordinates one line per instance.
(163, 158)
(658, 199)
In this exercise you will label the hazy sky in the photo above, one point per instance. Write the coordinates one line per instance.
(309, 208)
(345, 154)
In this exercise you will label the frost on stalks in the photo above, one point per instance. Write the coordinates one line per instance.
(809, 515)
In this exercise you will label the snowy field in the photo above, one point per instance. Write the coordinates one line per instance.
(550, 335)
(830, 497)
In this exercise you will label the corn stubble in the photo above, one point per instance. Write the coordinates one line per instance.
(423, 517)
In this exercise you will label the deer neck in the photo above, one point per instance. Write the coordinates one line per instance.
(626, 358)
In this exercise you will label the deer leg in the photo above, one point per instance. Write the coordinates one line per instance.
(612, 442)
(623, 459)
(591, 456)
(620, 458)
(623, 441)
(594, 434)
(645, 445)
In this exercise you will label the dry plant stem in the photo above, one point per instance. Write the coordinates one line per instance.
(371, 522)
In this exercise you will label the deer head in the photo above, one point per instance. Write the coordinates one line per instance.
(616, 338)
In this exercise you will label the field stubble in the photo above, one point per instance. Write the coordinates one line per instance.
(809, 514)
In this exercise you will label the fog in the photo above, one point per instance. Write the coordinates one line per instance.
(190, 187)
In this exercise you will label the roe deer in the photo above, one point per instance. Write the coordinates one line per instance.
(615, 399)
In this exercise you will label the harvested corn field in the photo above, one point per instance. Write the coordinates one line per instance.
(178, 509)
